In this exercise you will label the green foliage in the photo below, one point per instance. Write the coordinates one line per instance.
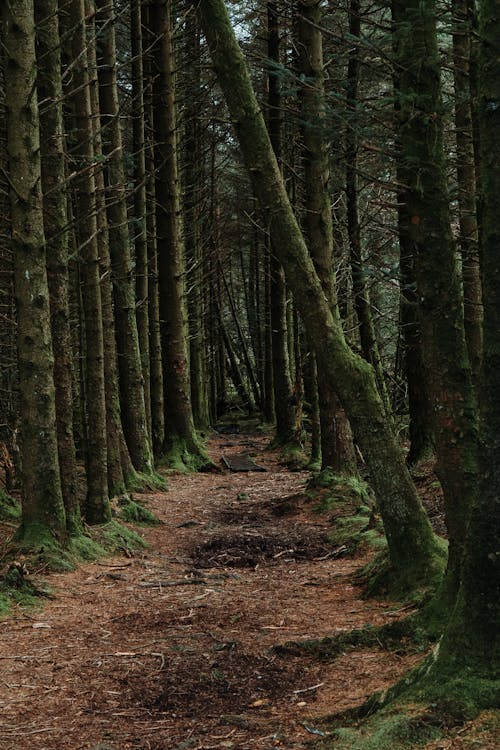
(399, 730)
(351, 502)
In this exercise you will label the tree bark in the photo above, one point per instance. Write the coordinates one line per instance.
(140, 237)
(97, 508)
(120, 468)
(283, 393)
(55, 222)
(129, 357)
(428, 232)
(469, 652)
(43, 517)
(337, 449)
(180, 436)
(155, 355)
(368, 339)
(466, 181)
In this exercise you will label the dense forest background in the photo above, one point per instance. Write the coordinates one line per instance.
(168, 254)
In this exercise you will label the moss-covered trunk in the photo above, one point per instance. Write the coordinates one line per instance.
(129, 357)
(469, 652)
(180, 436)
(43, 513)
(139, 224)
(55, 223)
(337, 449)
(118, 457)
(411, 542)
(282, 383)
(96, 508)
(426, 226)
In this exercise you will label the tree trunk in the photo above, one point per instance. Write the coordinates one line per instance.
(120, 468)
(282, 383)
(155, 356)
(368, 339)
(180, 436)
(337, 450)
(55, 221)
(469, 652)
(427, 228)
(140, 202)
(466, 180)
(193, 196)
(129, 357)
(97, 508)
(43, 517)
(411, 542)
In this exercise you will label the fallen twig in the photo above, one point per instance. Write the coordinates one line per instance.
(306, 690)
(181, 582)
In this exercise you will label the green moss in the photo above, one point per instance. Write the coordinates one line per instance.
(380, 578)
(325, 478)
(291, 455)
(139, 482)
(10, 508)
(184, 459)
(114, 537)
(17, 588)
(402, 635)
(399, 730)
(134, 512)
(419, 708)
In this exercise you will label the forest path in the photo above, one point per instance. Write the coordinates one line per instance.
(170, 650)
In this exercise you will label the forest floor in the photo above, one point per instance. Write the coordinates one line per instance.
(171, 649)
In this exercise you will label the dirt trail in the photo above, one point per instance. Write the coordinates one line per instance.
(170, 650)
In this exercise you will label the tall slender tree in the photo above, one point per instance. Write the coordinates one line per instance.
(337, 449)
(50, 96)
(282, 383)
(97, 509)
(43, 516)
(140, 233)
(428, 233)
(129, 357)
(181, 442)
(120, 469)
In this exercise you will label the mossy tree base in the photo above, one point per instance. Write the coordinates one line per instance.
(380, 577)
(138, 481)
(182, 456)
(422, 707)
(133, 512)
(291, 453)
